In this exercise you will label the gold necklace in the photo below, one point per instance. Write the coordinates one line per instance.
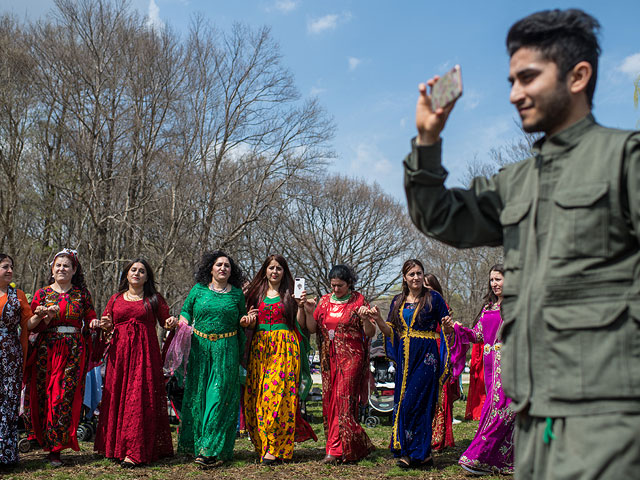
(132, 298)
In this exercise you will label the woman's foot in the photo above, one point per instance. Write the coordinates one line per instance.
(404, 462)
(204, 461)
(128, 463)
(269, 459)
(54, 459)
(426, 463)
(330, 460)
(474, 471)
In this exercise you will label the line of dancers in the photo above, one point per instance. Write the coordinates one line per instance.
(262, 326)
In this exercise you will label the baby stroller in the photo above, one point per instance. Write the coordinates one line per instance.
(381, 386)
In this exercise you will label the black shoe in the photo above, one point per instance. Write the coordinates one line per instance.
(208, 461)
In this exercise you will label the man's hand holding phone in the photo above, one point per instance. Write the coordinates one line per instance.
(430, 121)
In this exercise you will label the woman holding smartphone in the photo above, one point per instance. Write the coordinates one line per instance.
(277, 352)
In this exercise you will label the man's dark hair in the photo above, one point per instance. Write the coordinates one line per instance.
(566, 37)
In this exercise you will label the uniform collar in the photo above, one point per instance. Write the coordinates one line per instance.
(565, 139)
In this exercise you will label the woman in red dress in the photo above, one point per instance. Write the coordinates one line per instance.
(477, 393)
(343, 336)
(57, 367)
(134, 424)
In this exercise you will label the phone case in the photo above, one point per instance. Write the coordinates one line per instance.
(298, 287)
(447, 89)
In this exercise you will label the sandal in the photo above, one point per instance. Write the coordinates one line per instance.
(403, 462)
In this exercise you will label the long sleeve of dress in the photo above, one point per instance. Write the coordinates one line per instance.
(463, 337)
(187, 306)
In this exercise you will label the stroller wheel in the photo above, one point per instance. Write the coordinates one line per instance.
(24, 445)
(83, 433)
(372, 421)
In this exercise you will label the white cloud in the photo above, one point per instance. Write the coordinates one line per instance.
(319, 25)
(354, 63)
(631, 65)
(153, 16)
(371, 162)
(328, 22)
(286, 6)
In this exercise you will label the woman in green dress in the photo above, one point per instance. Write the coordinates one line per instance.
(216, 309)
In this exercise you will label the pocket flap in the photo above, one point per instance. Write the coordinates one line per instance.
(585, 197)
(580, 315)
(514, 212)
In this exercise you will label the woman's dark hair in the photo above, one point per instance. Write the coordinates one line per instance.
(4, 255)
(424, 299)
(433, 283)
(203, 274)
(565, 37)
(78, 277)
(149, 288)
(257, 289)
(489, 298)
(344, 273)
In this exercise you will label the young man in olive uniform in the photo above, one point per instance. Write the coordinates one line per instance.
(569, 220)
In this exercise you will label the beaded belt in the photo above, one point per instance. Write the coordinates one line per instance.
(495, 348)
(215, 336)
(64, 330)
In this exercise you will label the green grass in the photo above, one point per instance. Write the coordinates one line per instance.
(85, 465)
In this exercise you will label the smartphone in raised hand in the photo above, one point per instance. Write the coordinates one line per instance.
(298, 287)
(447, 89)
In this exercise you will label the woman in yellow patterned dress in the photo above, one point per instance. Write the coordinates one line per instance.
(272, 392)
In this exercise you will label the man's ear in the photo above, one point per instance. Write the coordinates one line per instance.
(579, 76)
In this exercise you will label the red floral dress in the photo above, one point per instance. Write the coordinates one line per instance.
(344, 363)
(57, 368)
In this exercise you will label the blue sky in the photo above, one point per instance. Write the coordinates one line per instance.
(364, 60)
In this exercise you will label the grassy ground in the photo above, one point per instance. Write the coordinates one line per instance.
(85, 465)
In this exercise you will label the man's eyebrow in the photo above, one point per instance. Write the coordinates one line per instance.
(521, 72)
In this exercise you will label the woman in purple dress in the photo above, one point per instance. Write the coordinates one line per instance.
(491, 450)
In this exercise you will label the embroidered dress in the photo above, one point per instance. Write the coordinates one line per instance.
(212, 392)
(133, 419)
(344, 363)
(422, 368)
(491, 449)
(271, 397)
(57, 369)
(15, 313)
(443, 419)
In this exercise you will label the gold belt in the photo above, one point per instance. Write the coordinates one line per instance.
(215, 336)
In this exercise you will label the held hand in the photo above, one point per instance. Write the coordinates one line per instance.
(375, 314)
(447, 325)
(52, 311)
(41, 311)
(105, 322)
(428, 122)
(363, 313)
(171, 323)
(310, 305)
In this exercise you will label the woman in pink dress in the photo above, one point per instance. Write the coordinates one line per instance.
(491, 450)
(134, 424)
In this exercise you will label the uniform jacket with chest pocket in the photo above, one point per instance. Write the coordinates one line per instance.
(569, 220)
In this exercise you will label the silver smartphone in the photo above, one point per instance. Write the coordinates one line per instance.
(447, 88)
(298, 287)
